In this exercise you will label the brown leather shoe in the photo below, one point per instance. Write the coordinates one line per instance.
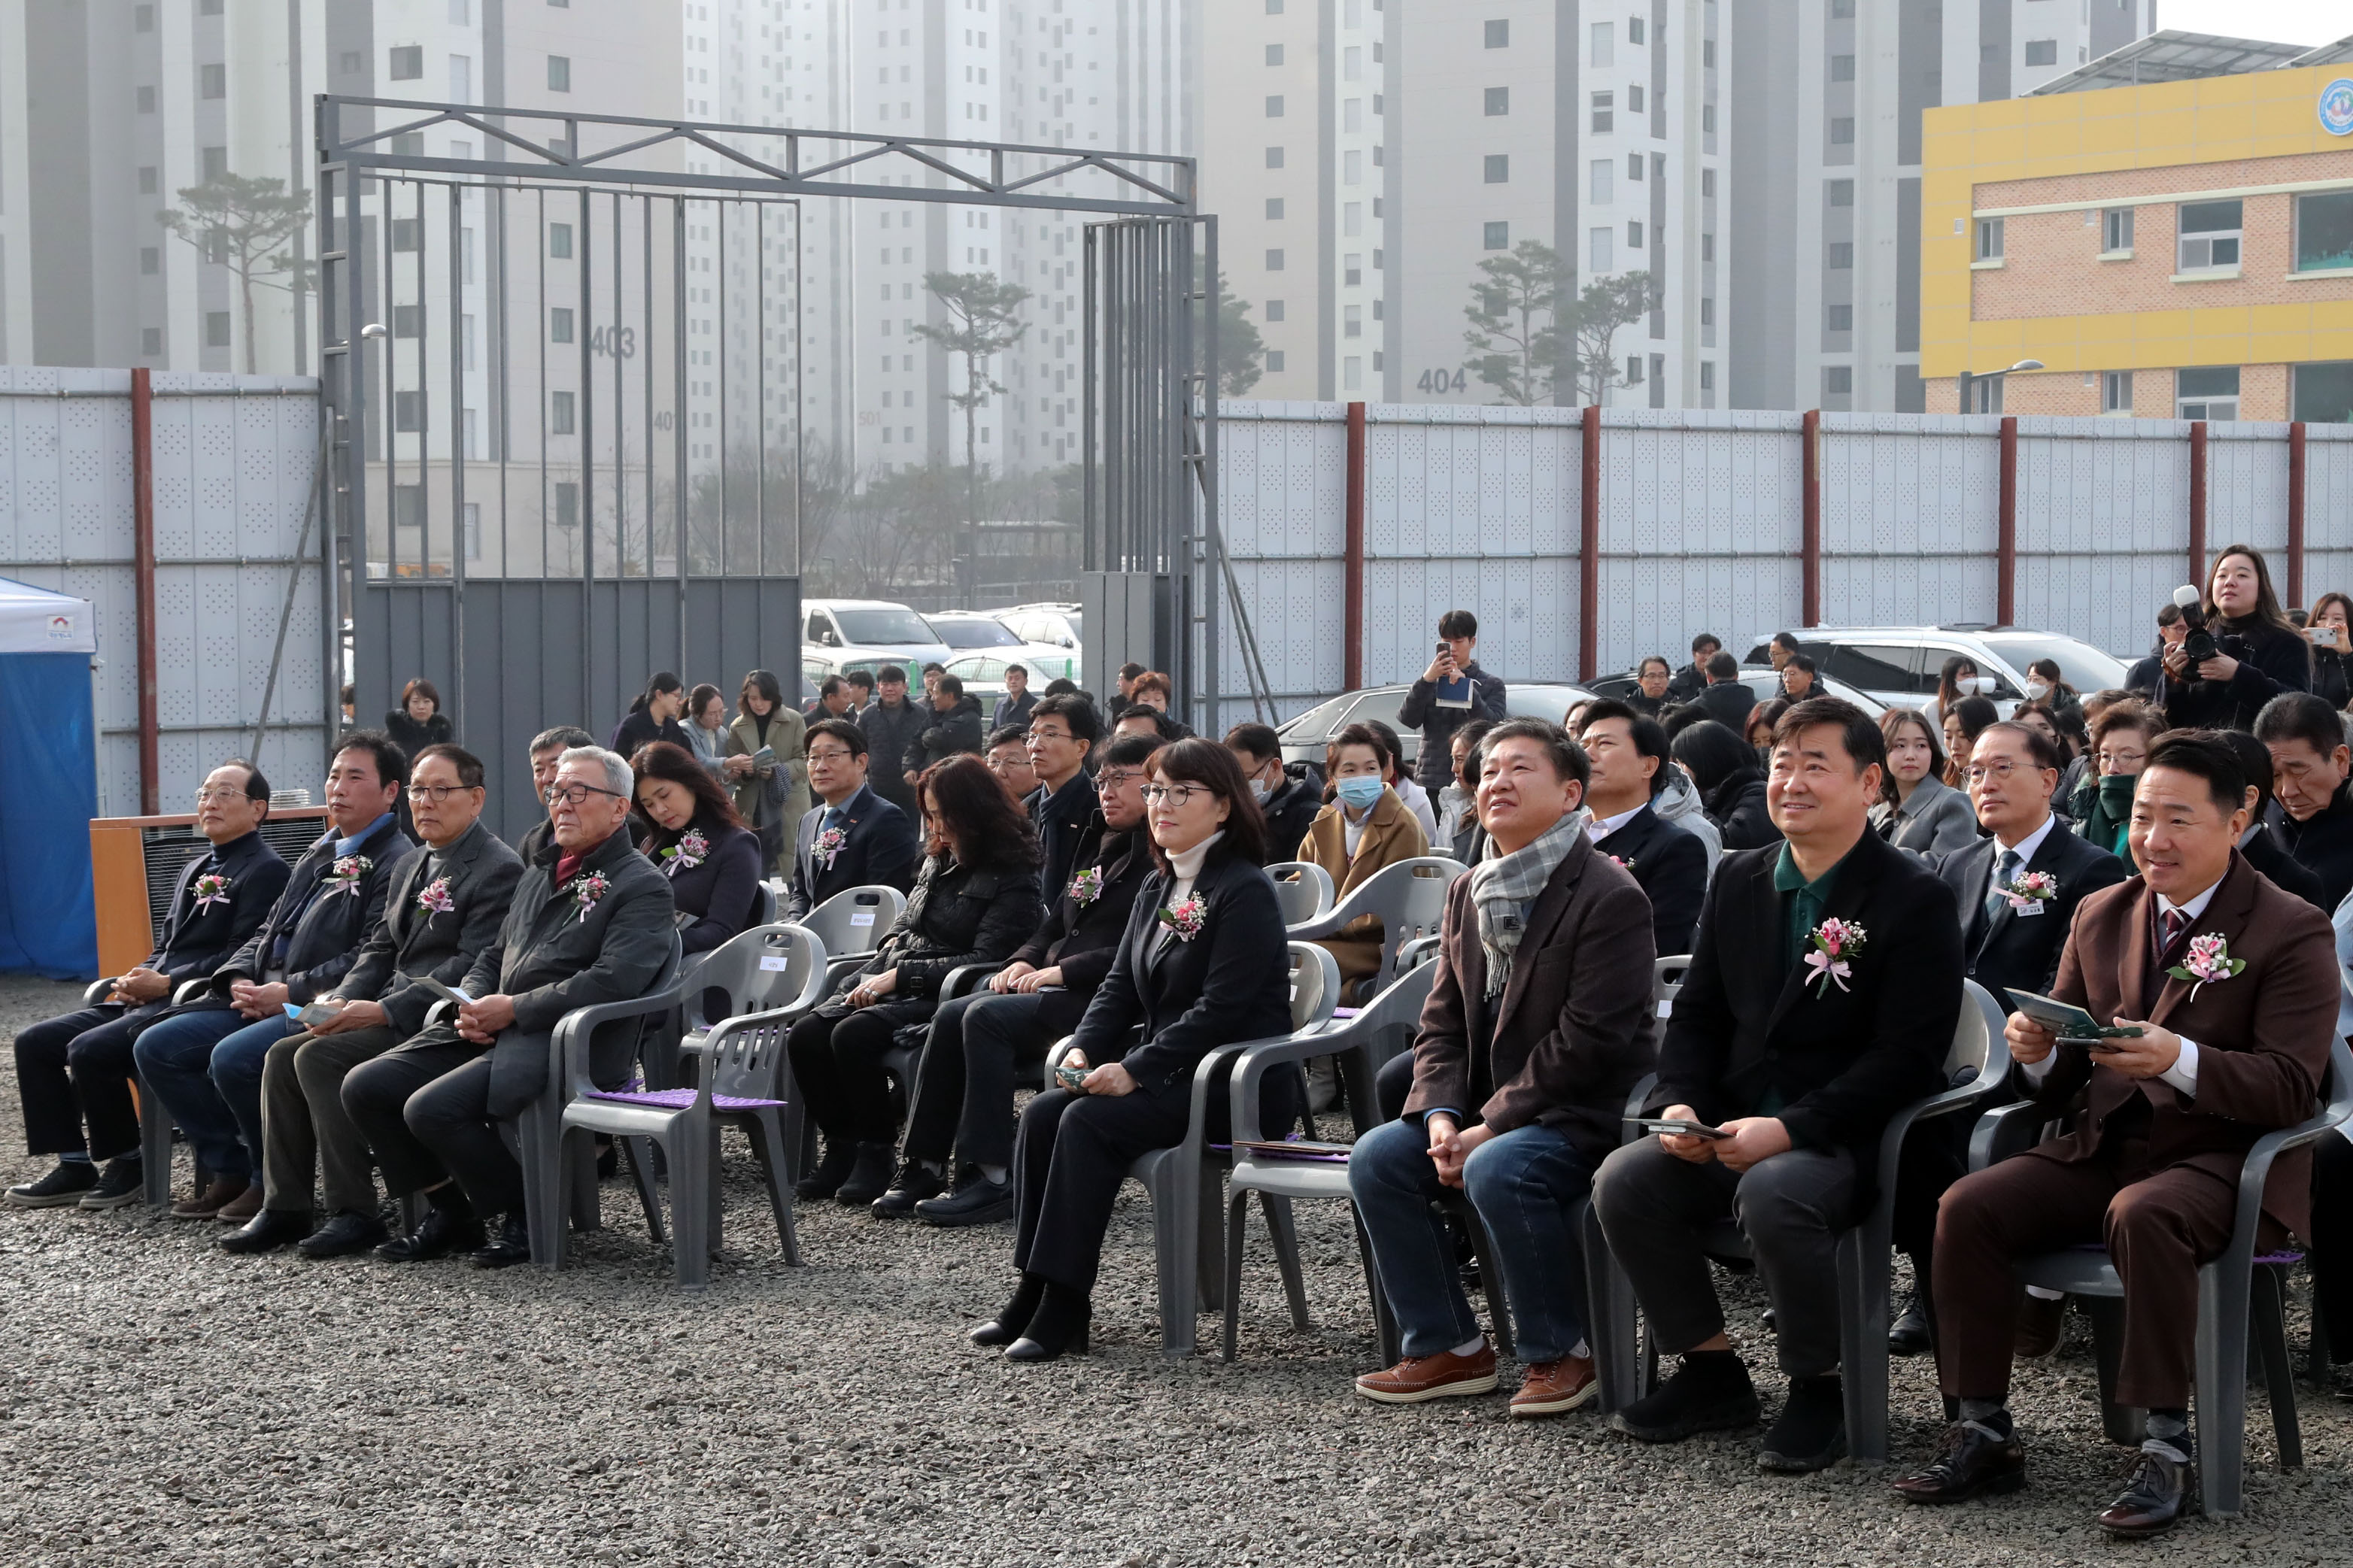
(2041, 1324)
(1552, 1387)
(242, 1207)
(207, 1204)
(2160, 1492)
(1442, 1376)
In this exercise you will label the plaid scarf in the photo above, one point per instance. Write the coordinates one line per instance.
(1499, 887)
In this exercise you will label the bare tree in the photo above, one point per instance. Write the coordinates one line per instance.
(1603, 307)
(982, 325)
(1515, 339)
(241, 224)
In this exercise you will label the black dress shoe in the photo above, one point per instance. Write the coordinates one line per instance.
(1709, 1393)
(914, 1184)
(830, 1172)
(512, 1247)
(2157, 1495)
(342, 1236)
(870, 1175)
(439, 1234)
(124, 1182)
(1007, 1326)
(268, 1231)
(1810, 1432)
(976, 1201)
(1909, 1335)
(61, 1188)
(1972, 1459)
(1058, 1328)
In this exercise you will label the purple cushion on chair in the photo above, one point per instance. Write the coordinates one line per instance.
(679, 1099)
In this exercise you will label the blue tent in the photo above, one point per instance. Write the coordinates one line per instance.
(49, 784)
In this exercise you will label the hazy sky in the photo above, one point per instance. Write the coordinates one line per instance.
(2281, 21)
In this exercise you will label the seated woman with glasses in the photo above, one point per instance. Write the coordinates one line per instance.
(694, 836)
(975, 900)
(1203, 966)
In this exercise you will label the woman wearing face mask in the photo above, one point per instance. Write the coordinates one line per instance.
(2045, 683)
(1409, 790)
(1363, 829)
(1956, 680)
(1920, 811)
(2258, 652)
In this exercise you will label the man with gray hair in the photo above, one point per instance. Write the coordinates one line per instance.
(591, 922)
(546, 747)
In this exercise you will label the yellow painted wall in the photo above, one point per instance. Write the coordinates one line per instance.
(2263, 114)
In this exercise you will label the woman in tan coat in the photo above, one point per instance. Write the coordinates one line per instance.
(770, 796)
(1363, 829)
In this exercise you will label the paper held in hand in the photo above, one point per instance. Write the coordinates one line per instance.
(316, 1013)
(447, 993)
(2066, 1020)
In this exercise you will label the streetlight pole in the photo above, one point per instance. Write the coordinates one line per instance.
(1970, 377)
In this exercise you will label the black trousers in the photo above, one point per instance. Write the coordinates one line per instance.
(1393, 1084)
(378, 1093)
(2332, 1242)
(838, 1067)
(74, 1073)
(1074, 1150)
(962, 1099)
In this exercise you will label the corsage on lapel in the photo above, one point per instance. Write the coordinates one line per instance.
(1834, 941)
(2208, 961)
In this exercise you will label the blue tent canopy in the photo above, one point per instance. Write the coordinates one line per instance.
(49, 782)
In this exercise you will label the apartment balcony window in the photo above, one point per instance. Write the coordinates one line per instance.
(1498, 168)
(406, 63)
(1498, 237)
(1499, 33)
(1842, 255)
(213, 80)
(1352, 271)
(1274, 262)
(1274, 157)
(1840, 193)
(1600, 180)
(1633, 234)
(1989, 241)
(1274, 54)
(407, 408)
(559, 241)
(1598, 46)
(1597, 250)
(1274, 106)
(2042, 51)
(559, 73)
(1842, 131)
(1602, 114)
(408, 321)
(1839, 318)
(2323, 394)
(1841, 67)
(1274, 208)
(1498, 101)
(560, 416)
(559, 324)
(2208, 236)
(1633, 370)
(1633, 99)
(1352, 322)
(1838, 380)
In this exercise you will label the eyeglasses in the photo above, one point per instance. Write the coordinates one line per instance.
(1107, 782)
(832, 754)
(436, 794)
(1050, 734)
(220, 793)
(1175, 795)
(1004, 764)
(2001, 771)
(578, 794)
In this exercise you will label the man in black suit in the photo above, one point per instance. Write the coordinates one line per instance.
(1630, 759)
(891, 722)
(73, 1072)
(546, 747)
(962, 1099)
(854, 838)
(2311, 767)
(2261, 845)
(443, 910)
(1823, 992)
(1062, 735)
(1725, 699)
(591, 922)
(2017, 890)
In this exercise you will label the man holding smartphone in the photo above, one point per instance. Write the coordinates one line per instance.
(2232, 983)
(1451, 693)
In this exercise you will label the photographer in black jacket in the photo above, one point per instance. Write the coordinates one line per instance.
(2242, 650)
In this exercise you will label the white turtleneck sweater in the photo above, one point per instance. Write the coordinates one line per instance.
(1186, 866)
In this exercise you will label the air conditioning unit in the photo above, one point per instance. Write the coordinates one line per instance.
(135, 862)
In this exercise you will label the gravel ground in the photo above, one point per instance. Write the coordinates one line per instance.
(164, 1403)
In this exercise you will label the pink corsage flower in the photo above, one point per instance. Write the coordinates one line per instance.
(691, 850)
(1185, 919)
(827, 845)
(435, 899)
(2032, 889)
(1087, 886)
(2209, 961)
(587, 891)
(1834, 942)
(211, 889)
(343, 880)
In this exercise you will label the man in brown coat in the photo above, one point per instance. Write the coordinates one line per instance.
(1537, 1025)
(2233, 983)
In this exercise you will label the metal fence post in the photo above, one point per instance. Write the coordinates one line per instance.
(2295, 512)
(1352, 642)
(142, 549)
(2005, 529)
(1588, 549)
(2198, 503)
(1810, 538)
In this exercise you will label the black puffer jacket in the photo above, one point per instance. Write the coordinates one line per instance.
(955, 733)
(957, 915)
(1737, 806)
(2270, 661)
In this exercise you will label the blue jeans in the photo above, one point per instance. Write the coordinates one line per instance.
(1526, 1184)
(205, 1066)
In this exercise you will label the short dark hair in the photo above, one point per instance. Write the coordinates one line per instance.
(256, 786)
(1389, 743)
(1075, 711)
(888, 673)
(841, 730)
(1005, 735)
(420, 687)
(2037, 745)
(391, 761)
(830, 686)
(1804, 661)
(1259, 740)
(1129, 670)
(1457, 623)
(1569, 759)
(1649, 736)
(1722, 667)
(2301, 716)
(1202, 762)
(471, 771)
(2169, 614)
(1661, 660)
(1712, 752)
(1168, 728)
(948, 685)
(1062, 686)
(934, 667)
(562, 737)
(865, 678)
(350, 694)
(2232, 762)
(1022, 667)
(1129, 750)
(1786, 640)
(1707, 641)
(1859, 734)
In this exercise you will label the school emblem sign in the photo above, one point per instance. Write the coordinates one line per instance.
(2336, 106)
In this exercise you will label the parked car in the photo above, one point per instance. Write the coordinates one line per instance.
(847, 631)
(970, 632)
(1765, 681)
(1053, 623)
(1898, 665)
(1303, 735)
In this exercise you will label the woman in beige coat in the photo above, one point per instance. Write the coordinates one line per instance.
(1363, 829)
(770, 796)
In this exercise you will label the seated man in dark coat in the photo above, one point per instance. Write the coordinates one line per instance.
(442, 911)
(1822, 995)
(1630, 765)
(854, 838)
(1537, 1025)
(592, 922)
(963, 1101)
(74, 1072)
(2312, 779)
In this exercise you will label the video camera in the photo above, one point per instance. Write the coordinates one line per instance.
(2199, 645)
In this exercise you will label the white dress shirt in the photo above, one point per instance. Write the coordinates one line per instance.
(1599, 828)
(2183, 1074)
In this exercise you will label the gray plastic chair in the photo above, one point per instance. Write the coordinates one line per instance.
(740, 1081)
(2225, 1290)
(853, 922)
(154, 1120)
(1302, 888)
(1864, 1249)
(1188, 1222)
(769, 967)
(1410, 899)
(549, 1176)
